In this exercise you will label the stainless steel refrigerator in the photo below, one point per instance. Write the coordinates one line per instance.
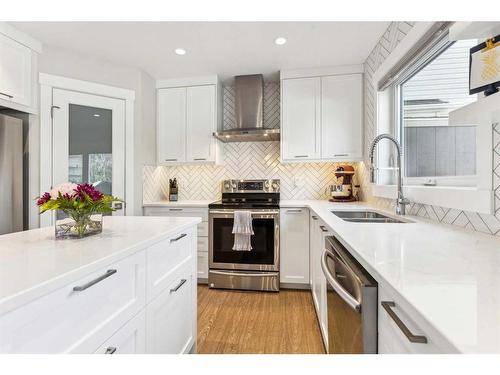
(11, 174)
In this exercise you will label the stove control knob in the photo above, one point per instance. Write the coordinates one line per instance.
(227, 186)
(266, 184)
(275, 186)
(233, 185)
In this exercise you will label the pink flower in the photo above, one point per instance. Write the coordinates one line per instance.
(68, 190)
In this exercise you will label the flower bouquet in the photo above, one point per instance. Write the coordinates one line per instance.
(79, 209)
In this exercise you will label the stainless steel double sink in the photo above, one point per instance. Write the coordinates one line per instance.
(365, 216)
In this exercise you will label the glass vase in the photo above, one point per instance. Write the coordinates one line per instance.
(75, 224)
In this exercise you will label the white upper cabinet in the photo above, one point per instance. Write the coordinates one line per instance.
(187, 119)
(201, 123)
(16, 77)
(172, 125)
(341, 117)
(300, 112)
(322, 114)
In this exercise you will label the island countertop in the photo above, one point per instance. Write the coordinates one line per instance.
(33, 263)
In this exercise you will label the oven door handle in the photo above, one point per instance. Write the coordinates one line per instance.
(253, 274)
(344, 294)
(271, 212)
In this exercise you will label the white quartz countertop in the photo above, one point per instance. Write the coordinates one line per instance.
(449, 275)
(180, 203)
(33, 263)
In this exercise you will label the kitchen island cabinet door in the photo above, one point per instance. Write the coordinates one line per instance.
(129, 339)
(171, 318)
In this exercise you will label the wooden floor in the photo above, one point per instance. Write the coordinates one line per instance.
(257, 322)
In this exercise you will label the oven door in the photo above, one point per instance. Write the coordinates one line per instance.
(264, 255)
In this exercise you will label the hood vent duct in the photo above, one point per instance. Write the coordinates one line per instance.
(249, 113)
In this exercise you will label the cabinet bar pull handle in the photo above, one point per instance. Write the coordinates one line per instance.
(323, 228)
(294, 211)
(198, 159)
(173, 290)
(7, 95)
(314, 217)
(340, 154)
(175, 209)
(178, 238)
(170, 159)
(301, 156)
(387, 305)
(110, 350)
(95, 281)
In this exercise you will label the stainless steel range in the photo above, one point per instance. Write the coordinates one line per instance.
(257, 269)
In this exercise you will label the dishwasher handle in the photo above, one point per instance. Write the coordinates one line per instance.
(344, 294)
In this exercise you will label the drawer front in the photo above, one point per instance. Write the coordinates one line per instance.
(165, 258)
(129, 339)
(202, 244)
(391, 339)
(202, 266)
(177, 211)
(171, 317)
(80, 320)
(203, 229)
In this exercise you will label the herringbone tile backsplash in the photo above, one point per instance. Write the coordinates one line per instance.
(243, 160)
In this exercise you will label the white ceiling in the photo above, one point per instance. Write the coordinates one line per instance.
(224, 48)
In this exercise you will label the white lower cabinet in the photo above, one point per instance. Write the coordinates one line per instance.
(129, 339)
(294, 245)
(171, 325)
(318, 231)
(202, 243)
(404, 332)
(143, 303)
(80, 316)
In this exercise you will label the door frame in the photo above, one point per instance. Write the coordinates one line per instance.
(48, 82)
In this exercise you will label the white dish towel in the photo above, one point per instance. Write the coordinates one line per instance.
(242, 230)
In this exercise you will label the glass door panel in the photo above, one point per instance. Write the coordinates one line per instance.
(91, 146)
(89, 142)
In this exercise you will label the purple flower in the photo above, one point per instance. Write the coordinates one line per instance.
(43, 199)
(89, 190)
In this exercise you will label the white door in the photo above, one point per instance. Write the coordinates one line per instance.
(171, 125)
(200, 123)
(300, 118)
(89, 141)
(15, 71)
(341, 116)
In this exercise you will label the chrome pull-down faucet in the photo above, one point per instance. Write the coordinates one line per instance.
(401, 200)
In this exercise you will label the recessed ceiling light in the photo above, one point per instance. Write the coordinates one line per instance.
(180, 51)
(280, 41)
(96, 115)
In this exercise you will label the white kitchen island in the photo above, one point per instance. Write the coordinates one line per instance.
(130, 289)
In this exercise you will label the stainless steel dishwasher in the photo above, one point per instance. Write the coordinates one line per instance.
(351, 302)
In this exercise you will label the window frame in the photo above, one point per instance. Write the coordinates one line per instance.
(433, 52)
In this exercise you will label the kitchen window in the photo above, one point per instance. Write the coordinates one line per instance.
(436, 152)
(421, 96)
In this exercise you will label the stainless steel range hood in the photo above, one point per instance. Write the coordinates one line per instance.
(249, 109)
